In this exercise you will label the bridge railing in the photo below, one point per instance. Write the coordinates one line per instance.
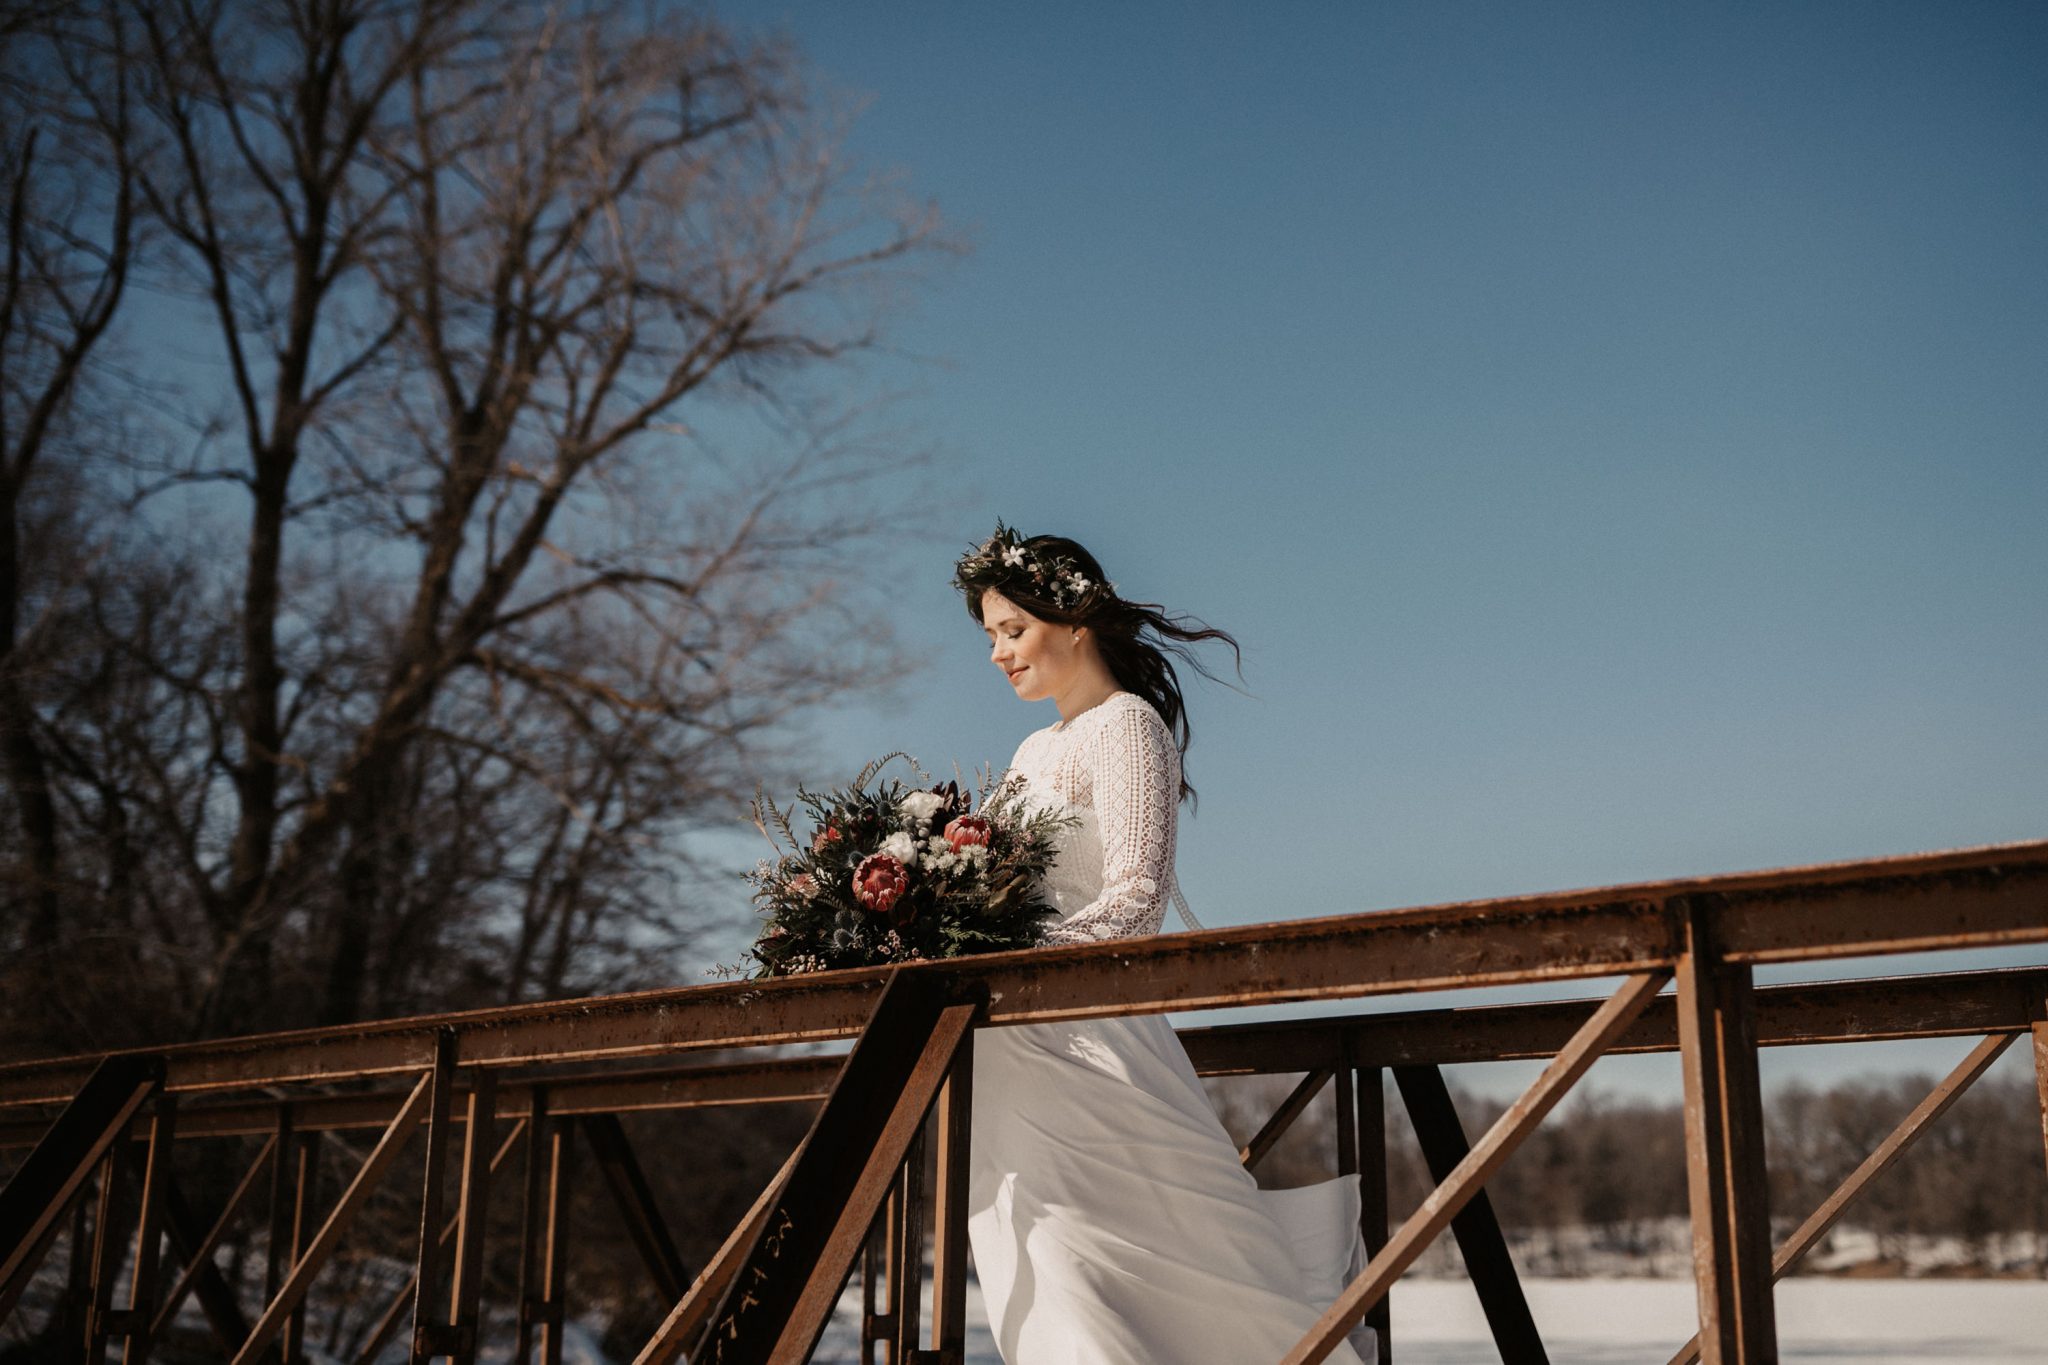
(96, 1134)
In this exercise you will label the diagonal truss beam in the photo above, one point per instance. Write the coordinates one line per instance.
(324, 1242)
(1471, 1174)
(73, 1208)
(139, 1329)
(401, 1301)
(688, 1319)
(35, 1199)
(1487, 1261)
(1881, 1157)
(634, 1198)
(779, 1300)
(1284, 1116)
(199, 1256)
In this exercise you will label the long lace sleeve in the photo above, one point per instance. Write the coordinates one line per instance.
(1136, 771)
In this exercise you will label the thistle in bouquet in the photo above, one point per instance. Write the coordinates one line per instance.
(888, 872)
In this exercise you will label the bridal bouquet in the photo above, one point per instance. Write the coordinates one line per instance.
(897, 873)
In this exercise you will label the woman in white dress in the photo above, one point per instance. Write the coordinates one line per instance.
(1110, 1219)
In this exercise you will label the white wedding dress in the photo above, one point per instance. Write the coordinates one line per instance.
(1110, 1218)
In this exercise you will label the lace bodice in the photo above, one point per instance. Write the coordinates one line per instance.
(1115, 767)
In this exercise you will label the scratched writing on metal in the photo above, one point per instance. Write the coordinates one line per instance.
(728, 1328)
(774, 1239)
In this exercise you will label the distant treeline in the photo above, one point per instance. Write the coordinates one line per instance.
(1615, 1167)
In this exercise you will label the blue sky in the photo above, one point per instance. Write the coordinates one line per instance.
(1617, 433)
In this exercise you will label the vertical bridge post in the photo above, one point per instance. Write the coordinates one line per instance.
(1724, 1148)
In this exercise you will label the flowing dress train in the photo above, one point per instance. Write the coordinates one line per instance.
(1110, 1219)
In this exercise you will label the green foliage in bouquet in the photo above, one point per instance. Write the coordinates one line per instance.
(899, 874)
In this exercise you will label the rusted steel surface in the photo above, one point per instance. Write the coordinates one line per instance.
(546, 1067)
(431, 1262)
(949, 1208)
(1907, 905)
(1363, 1099)
(533, 1194)
(784, 1292)
(1488, 1263)
(551, 1166)
(1971, 898)
(1500, 1141)
(1724, 1149)
(674, 1086)
(1283, 1117)
(1937, 1103)
(906, 1272)
(401, 1302)
(109, 1226)
(471, 1220)
(35, 1199)
(1953, 1004)
(684, 1019)
(140, 1333)
(198, 1257)
(1881, 1157)
(218, 1302)
(687, 1321)
(1940, 1005)
(293, 1292)
(2040, 1032)
(633, 1197)
(874, 1299)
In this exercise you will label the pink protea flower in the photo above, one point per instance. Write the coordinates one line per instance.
(967, 831)
(879, 882)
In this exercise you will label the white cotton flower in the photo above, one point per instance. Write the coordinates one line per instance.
(920, 807)
(902, 848)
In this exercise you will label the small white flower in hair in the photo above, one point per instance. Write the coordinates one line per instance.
(1014, 556)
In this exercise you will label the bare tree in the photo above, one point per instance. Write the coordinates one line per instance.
(496, 293)
(70, 248)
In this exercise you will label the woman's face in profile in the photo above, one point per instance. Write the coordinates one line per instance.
(1037, 656)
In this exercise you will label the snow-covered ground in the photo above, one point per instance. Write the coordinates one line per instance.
(1606, 1322)
(1599, 1320)
(1592, 1322)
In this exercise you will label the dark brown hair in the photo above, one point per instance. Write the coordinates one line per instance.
(1138, 640)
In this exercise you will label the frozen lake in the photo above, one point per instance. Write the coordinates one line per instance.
(1592, 1322)
(1606, 1322)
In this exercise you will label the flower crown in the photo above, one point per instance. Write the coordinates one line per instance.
(1056, 577)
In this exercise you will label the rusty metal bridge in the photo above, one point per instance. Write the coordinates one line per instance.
(91, 1139)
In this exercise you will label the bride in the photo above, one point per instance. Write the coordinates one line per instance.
(1110, 1218)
